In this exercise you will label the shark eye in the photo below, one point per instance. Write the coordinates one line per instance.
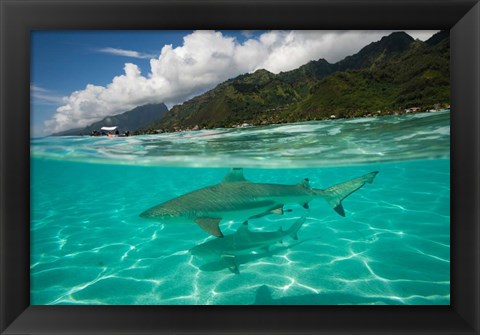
(306, 179)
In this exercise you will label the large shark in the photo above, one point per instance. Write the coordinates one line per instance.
(237, 199)
(242, 246)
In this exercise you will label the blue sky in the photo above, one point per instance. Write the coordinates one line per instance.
(66, 61)
(79, 77)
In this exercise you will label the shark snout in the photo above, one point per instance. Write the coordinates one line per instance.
(194, 251)
(198, 251)
(158, 215)
(149, 214)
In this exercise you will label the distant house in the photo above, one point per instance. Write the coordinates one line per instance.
(412, 110)
(109, 129)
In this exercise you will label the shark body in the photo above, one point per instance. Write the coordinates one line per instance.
(237, 199)
(233, 263)
(244, 241)
(242, 247)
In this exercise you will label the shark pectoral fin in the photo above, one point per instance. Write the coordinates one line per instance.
(210, 225)
(276, 210)
(232, 264)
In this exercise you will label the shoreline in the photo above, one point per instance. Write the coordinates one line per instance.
(259, 124)
(332, 117)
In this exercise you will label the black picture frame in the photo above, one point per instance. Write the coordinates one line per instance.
(19, 17)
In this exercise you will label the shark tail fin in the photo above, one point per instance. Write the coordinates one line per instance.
(335, 194)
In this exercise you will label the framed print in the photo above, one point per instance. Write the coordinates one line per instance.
(252, 167)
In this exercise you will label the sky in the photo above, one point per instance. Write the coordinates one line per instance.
(79, 77)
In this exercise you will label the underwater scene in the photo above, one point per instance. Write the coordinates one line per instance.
(347, 211)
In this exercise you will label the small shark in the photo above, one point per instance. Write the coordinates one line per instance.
(237, 199)
(244, 241)
(233, 263)
(242, 246)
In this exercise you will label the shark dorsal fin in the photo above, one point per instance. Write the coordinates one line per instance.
(234, 175)
(242, 231)
(305, 183)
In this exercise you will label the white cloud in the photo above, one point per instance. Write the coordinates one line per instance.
(205, 59)
(125, 53)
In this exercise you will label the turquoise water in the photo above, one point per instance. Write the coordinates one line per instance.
(89, 245)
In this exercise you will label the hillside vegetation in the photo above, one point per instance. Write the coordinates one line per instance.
(384, 77)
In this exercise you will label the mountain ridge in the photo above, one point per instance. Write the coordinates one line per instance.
(132, 120)
(390, 75)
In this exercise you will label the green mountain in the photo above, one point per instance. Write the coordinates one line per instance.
(389, 75)
(131, 120)
(390, 47)
(418, 76)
